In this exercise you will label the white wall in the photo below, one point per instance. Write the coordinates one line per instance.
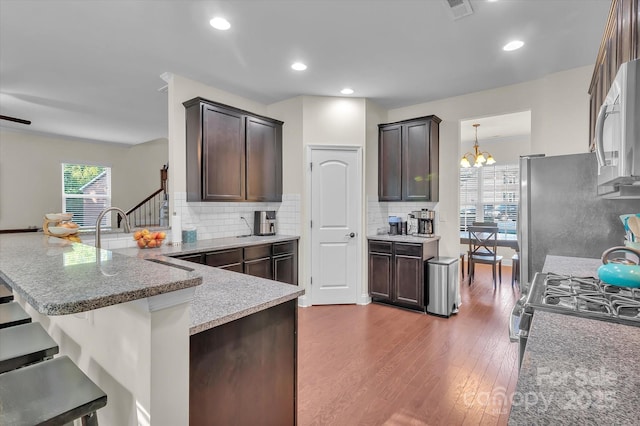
(559, 125)
(31, 173)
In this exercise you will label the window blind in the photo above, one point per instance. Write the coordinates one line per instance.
(490, 194)
(86, 191)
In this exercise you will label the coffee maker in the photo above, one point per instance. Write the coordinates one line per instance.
(264, 222)
(426, 219)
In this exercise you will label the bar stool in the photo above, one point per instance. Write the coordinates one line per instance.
(515, 268)
(12, 314)
(50, 392)
(6, 295)
(25, 344)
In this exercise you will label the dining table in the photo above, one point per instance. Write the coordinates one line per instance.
(504, 240)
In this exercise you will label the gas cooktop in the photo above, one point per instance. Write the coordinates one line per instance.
(584, 296)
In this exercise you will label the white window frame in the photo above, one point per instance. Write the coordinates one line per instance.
(106, 196)
(509, 196)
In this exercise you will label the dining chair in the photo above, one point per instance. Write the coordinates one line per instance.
(483, 244)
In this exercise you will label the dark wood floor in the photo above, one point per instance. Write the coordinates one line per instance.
(380, 365)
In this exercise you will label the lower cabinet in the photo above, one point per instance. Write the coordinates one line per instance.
(257, 261)
(397, 272)
(245, 372)
(277, 261)
(285, 262)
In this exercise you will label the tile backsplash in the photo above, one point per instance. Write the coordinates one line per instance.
(222, 219)
(378, 212)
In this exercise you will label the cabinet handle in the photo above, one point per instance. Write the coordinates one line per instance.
(351, 235)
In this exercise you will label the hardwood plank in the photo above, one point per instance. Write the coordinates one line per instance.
(376, 364)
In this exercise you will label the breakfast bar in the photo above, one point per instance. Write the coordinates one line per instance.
(129, 322)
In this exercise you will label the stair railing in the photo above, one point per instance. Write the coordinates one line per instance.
(147, 212)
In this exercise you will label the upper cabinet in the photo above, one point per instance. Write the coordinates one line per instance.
(232, 155)
(408, 153)
(620, 44)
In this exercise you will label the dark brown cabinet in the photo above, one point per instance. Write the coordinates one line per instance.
(257, 261)
(276, 261)
(264, 159)
(408, 155)
(245, 372)
(397, 272)
(380, 270)
(620, 44)
(285, 262)
(232, 155)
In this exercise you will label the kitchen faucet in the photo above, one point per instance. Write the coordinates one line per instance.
(101, 215)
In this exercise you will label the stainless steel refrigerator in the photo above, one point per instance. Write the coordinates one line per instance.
(561, 214)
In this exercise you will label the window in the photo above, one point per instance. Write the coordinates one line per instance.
(490, 194)
(86, 191)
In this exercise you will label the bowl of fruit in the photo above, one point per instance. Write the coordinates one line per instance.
(147, 239)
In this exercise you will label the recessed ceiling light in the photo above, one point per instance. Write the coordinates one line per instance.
(346, 91)
(492, 1)
(513, 45)
(298, 66)
(219, 23)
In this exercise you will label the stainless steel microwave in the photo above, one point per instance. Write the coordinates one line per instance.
(617, 136)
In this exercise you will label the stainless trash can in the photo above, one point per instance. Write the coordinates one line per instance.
(444, 286)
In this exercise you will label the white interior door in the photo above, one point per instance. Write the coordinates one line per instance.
(335, 223)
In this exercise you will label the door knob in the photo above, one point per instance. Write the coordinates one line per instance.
(351, 235)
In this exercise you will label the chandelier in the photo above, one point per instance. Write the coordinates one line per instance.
(476, 157)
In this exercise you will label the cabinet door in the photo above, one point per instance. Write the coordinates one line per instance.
(223, 156)
(416, 178)
(380, 276)
(409, 281)
(284, 268)
(259, 268)
(264, 160)
(390, 163)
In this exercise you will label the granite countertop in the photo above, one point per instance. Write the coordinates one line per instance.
(224, 295)
(578, 371)
(577, 266)
(58, 277)
(403, 238)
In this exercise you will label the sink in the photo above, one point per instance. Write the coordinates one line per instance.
(173, 265)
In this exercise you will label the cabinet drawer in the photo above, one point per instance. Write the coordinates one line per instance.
(284, 248)
(223, 257)
(196, 258)
(384, 247)
(257, 252)
(404, 249)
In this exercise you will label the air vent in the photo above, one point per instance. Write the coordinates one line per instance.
(458, 8)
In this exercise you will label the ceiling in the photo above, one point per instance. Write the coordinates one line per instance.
(91, 69)
(515, 126)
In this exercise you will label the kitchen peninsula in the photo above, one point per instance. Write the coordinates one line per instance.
(129, 323)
